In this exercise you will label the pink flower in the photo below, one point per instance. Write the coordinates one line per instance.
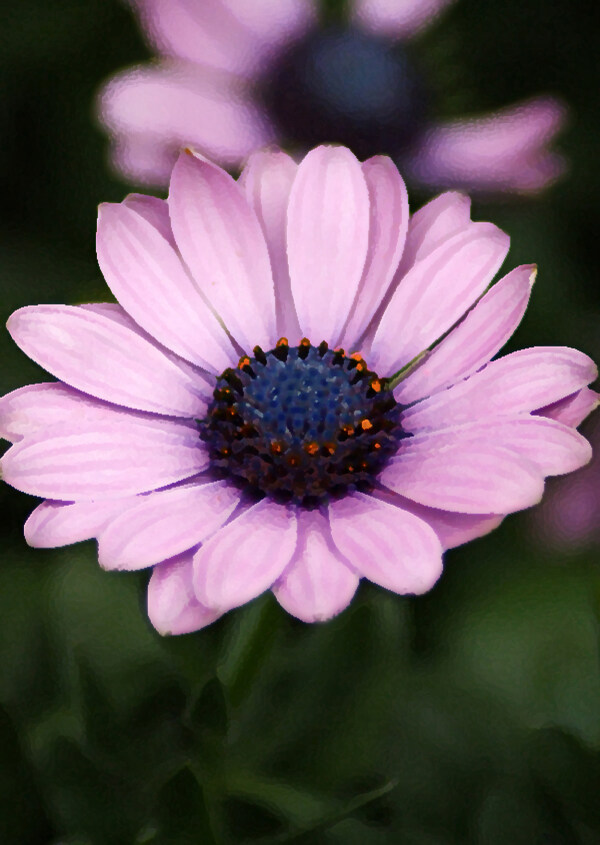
(233, 76)
(569, 519)
(186, 433)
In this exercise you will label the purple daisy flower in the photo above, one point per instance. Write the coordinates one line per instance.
(233, 76)
(212, 426)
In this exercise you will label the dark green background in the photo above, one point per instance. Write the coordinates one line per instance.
(470, 715)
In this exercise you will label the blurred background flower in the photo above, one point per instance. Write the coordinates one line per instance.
(569, 520)
(469, 715)
(232, 76)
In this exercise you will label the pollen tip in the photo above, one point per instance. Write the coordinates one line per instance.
(375, 385)
(283, 341)
(533, 274)
(312, 448)
(366, 425)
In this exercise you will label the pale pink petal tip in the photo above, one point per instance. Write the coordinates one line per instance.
(504, 151)
(172, 606)
(397, 18)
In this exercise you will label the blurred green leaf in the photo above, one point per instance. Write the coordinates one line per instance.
(250, 639)
(23, 819)
(181, 816)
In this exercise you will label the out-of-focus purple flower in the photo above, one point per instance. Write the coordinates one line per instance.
(194, 427)
(569, 519)
(233, 76)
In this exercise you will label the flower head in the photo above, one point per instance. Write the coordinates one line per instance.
(233, 76)
(295, 391)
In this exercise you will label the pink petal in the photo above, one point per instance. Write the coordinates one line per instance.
(271, 23)
(267, 181)
(222, 243)
(94, 353)
(431, 225)
(54, 524)
(475, 340)
(37, 406)
(396, 18)
(515, 384)
(154, 210)
(206, 32)
(147, 277)
(159, 109)
(435, 293)
(72, 462)
(452, 529)
(317, 584)
(172, 606)
(387, 234)
(246, 556)
(142, 158)
(165, 524)
(574, 409)
(389, 546)
(114, 311)
(454, 472)
(555, 448)
(328, 237)
(502, 151)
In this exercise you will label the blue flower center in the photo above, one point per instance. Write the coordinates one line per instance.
(301, 424)
(345, 86)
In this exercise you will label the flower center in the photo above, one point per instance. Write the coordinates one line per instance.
(301, 424)
(346, 86)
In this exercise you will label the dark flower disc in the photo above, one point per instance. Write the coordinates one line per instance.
(301, 424)
(345, 86)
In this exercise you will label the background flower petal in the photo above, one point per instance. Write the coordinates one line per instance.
(153, 111)
(504, 151)
(396, 18)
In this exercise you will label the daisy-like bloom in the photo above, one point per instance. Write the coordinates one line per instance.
(569, 520)
(238, 423)
(232, 76)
